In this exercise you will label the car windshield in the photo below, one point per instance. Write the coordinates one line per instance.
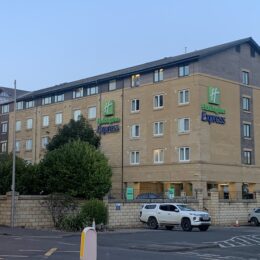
(185, 208)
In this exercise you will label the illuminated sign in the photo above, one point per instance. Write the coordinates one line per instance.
(108, 124)
(213, 100)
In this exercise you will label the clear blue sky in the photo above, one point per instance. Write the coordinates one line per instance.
(48, 42)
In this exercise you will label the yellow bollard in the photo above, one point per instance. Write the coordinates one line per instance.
(88, 244)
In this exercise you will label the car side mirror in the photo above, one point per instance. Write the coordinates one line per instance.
(176, 210)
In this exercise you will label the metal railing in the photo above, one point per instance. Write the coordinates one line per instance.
(235, 196)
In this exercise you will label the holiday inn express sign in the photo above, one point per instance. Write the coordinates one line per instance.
(108, 124)
(213, 106)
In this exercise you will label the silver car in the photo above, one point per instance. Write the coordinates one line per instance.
(254, 216)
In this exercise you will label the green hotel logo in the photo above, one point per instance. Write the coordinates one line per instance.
(109, 108)
(214, 95)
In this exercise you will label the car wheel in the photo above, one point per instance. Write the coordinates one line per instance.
(255, 221)
(203, 228)
(186, 225)
(169, 227)
(152, 223)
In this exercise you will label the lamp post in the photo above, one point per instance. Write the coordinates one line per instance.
(13, 172)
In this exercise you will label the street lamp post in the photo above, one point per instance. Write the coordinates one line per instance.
(13, 172)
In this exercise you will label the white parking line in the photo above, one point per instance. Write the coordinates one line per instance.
(15, 256)
(51, 251)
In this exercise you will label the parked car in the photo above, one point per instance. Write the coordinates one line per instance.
(171, 214)
(148, 195)
(254, 216)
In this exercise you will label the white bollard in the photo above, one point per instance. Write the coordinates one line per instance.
(88, 244)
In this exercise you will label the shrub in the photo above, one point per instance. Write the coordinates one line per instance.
(74, 223)
(94, 209)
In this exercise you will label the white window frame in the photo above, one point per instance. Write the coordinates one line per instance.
(78, 93)
(92, 112)
(18, 125)
(135, 80)
(135, 131)
(92, 91)
(4, 127)
(158, 128)
(247, 159)
(29, 104)
(157, 101)
(246, 101)
(158, 75)
(182, 97)
(135, 105)
(245, 77)
(59, 98)
(5, 109)
(184, 71)
(135, 157)
(112, 85)
(181, 125)
(17, 146)
(246, 130)
(184, 149)
(45, 121)
(29, 123)
(76, 114)
(58, 118)
(158, 156)
(44, 142)
(19, 105)
(28, 145)
(46, 100)
(3, 147)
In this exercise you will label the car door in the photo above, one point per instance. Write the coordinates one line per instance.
(257, 214)
(174, 216)
(162, 213)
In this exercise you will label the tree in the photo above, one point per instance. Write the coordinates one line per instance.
(74, 130)
(27, 181)
(77, 169)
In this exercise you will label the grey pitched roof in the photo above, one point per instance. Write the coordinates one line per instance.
(10, 93)
(169, 61)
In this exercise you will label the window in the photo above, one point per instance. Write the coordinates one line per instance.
(4, 127)
(76, 115)
(247, 130)
(134, 157)
(92, 91)
(92, 112)
(158, 101)
(59, 98)
(45, 121)
(246, 103)
(77, 93)
(135, 105)
(158, 128)
(45, 141)
(184, 96)
(184, 154)
(184, 71)
(18, 125)
(19, 105)
(28, 145)
(29, 123)
(245, 77)
(112, 85)
(58, 118)
(17, 146)
(135, 82)
(183, 125)
(3, 147)
(29, 104)
(158, 75)
(46, 101)
(135, 131)
(158, 156)
(247, 157)
(5, 109)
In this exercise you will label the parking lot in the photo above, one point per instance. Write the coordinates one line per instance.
(240, 243)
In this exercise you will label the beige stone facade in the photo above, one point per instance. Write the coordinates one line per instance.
(164, 143)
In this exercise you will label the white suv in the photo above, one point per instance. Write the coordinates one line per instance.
(254, 216)
(171, 214)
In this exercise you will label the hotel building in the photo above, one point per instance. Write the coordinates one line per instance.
(177, 124)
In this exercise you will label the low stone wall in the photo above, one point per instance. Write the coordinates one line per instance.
(31, 211)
